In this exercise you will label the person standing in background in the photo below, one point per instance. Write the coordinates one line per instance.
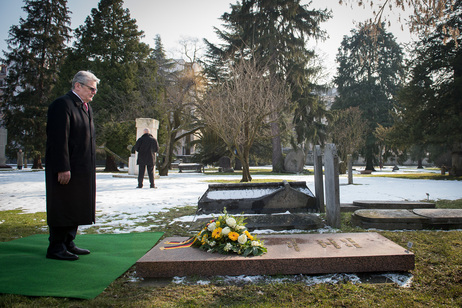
(147, 147)
(70, 167)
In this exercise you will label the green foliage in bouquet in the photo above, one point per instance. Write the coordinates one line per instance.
(227, 234)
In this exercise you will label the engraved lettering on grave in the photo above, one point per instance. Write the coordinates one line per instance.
(348, 242)
(293, 244)
(353, 242)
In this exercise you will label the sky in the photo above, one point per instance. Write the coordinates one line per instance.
(177, 20)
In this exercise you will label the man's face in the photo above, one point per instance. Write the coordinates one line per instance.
(86, 91)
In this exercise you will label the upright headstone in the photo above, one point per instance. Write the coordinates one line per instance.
(141, 124)
(350, 168)
(3, 141)
(225, 164)
(295, 161)
(318, 179)
(332, 186)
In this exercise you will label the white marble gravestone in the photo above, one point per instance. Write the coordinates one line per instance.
(141, 124)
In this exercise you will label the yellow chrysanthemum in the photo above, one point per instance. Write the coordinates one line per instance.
(250, 237)
(204, 238)
(233, 236)
(216, 233)
(218, 223)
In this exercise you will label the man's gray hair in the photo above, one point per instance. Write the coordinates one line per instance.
(84, 77)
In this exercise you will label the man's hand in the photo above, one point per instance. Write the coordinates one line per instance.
(64, 177)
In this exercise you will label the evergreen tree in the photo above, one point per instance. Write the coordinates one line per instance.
(430, 106)
(275, 31)
(36, 49)
(369, 74)
(109, 44)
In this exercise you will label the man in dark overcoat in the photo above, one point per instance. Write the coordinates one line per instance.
(70, 167)
(147, 147)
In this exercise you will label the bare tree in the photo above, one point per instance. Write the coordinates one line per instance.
(238, 109)
(348, 131)
(178, 108)
(424, 14)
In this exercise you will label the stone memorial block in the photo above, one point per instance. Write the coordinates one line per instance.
(287, 255)
(332, 186)
(3, 143)
(276, 222)
(388, 205)
(294, 161)
(318, 178)
(141, 124)
(224, 164)
(409, 219)
(258, 198)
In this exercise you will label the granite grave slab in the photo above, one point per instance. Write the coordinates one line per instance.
(411, 219)
(276, 222)
(287, 255)
(378, 204)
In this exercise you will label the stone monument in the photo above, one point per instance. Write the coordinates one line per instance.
(141, 124)
(3, 141)
(224, 164)
(295, 161)
(318, 178)
(332, 186)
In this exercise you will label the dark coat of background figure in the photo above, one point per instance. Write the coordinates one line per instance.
(74, 203)
(147, 147)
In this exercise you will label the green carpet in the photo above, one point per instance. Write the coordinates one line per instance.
(25, 270)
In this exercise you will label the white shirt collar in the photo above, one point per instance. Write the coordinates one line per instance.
(78, 97)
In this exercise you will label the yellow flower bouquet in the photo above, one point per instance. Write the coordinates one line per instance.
(227, 234)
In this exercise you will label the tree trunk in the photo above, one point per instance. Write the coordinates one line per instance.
(369, 158)
(419, 164)
(111, 165)
(277, 159)
(167, 159)
(246, 177)
(37, 162)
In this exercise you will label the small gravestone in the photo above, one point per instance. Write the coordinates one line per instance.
(318, 178)
(3, 143)
(294, 161)
(224, 164)
(332, 186)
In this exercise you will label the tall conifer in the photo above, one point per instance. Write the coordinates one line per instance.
(36, 50)
(369, 75)
(275, 31)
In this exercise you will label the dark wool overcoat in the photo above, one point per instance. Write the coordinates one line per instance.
(146, 146)
(70, 147)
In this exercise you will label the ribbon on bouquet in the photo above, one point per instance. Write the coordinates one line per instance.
(175, 245)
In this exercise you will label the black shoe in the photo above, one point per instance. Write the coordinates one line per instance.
(78, 251)
(153, 186)
(64, 255)
(139, 186)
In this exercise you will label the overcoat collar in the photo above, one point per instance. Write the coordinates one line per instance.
(77, 101)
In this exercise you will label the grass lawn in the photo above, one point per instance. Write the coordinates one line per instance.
(437, 277)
